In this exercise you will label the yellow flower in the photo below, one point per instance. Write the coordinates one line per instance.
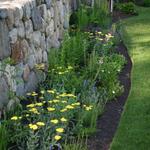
(57, 137)
(50, 102)
(64, 101)
(76, 104)
(39, 104)
(40, 123)
(34, 94)
(63, 95)
(14, 118)
(55, 121)
(30, 105)
(51, 109)
(28, 94)
(69, 107)
(51, 91)
(60, 130)
(70, 67)
(56, 101)
(34, 110)
(63, 119)
(99, 32)
(42, 92)
(27, 115)
(88, 108)
(41, 97)
(33, 126)
(60, 73)
(63, 110)
(59, 67)
(71, 95)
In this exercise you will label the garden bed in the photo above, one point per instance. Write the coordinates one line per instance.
(108, 122)
(82, 79)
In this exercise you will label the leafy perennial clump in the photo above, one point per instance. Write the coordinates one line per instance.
(49, 117)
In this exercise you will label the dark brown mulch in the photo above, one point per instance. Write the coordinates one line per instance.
(108, 122)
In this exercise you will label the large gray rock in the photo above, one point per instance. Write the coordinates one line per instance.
(4, 92)
(36, 38)
(3, 13)
(43, 42)
(31, 61)
(28, 28)
(56, 16)
(60, 7)
(18, 14)
(32, 83)
(48, 3)
(10, 19)
(20, 91)
(39, 56)
(36, 19)
(43, 10)
(25, 49)
(19, 70)
(13, 35)
(11, 77)
(5, 50)
(26, 11)
(49, 16)
(50, 29)
(45, 57)
(26, 72)
(21, 30)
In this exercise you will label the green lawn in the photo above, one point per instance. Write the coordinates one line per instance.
(134, 129)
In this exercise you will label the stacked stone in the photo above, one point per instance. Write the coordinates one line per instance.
(28, 30)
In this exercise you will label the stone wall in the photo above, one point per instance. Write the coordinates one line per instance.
(28, 30)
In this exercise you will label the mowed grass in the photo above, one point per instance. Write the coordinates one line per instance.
(134, 129)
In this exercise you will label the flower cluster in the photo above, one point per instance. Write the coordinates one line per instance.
(51, 114)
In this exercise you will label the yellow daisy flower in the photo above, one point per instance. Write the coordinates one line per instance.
(51, 109)
(40, 123)
(69, 107)
(39, 104)
(63, 110)
(14, 118)
(57, 137)
(30, 105)
(63, 119)
(51, 91)
(60, 130)
(55, 121)
(33, 126)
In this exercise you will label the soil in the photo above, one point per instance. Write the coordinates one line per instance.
(107, 123)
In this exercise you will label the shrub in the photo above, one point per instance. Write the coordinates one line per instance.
(146, 3)
(98, 14)
(128, 8)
